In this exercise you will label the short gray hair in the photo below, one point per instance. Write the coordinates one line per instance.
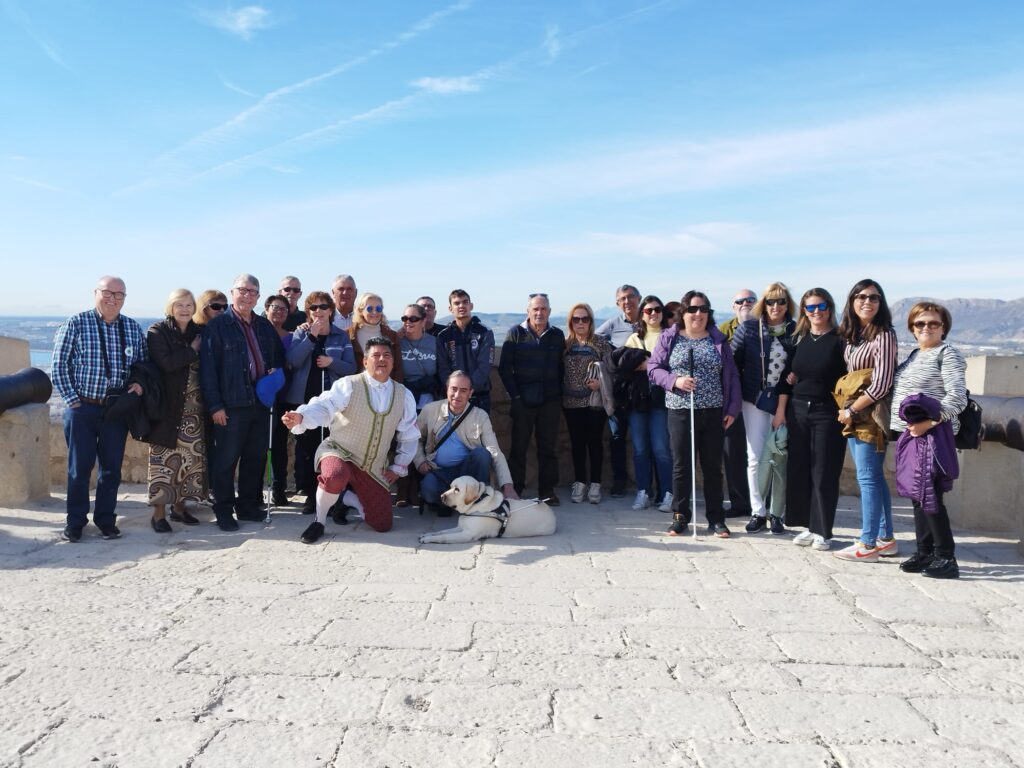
(458, 374)
(245, 278)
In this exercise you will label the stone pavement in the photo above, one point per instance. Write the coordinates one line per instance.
(607, 644)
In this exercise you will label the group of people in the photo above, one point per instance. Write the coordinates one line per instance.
(215, 384)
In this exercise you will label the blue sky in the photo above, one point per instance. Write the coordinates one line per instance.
(508, 148)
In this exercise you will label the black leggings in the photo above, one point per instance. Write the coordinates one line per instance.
(709, 436)
(586, 436)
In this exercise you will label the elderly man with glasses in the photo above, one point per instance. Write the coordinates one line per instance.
(239, 348)
(93, 353)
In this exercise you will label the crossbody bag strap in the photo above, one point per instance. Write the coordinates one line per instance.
(103, 346)
(455, 426)
(760, 338)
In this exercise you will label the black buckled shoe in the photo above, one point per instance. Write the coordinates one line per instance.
(943, 568)
(757, 523)
(313, 533)
(916, 563)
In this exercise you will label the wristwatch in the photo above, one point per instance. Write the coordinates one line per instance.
(850, 413)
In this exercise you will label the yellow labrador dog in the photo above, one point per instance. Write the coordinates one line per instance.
(485, 514)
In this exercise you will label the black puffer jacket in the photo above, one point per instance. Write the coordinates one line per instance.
(632, 389)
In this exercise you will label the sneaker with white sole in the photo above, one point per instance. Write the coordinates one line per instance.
(858, 552)
(666, 502)
(641, 501)
(594, 493)
(821, 544)
(577, 492)
(887, 547)
(804, 539)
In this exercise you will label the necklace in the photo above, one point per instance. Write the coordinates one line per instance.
(816, 336)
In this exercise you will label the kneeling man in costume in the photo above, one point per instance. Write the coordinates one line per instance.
(364, 412)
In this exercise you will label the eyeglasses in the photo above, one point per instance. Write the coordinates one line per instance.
(412, 319)
(874, 298)
(931, 325)
(321, 307)
(653, 310)
(216, 306)
(247, 291)
(374, 308)
(278, 308)
(427, 307)
(581, 319)
(627, 297)
(746, 300)
(119, 295)
(810, 309)
(776, 302)
(702, 309)
(538, 295)
(291, 290)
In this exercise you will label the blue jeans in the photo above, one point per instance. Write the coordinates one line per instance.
(90, 440)
(242, 442)
(875, 500)
(650, 438)
(477, 464)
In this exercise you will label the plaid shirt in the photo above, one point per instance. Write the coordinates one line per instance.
(78, 369)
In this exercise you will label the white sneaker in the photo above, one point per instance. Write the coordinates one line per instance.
(821, 544)
(641, 501)
(803, 539)
(666, 503)
(576, 492)
(858, 553)
(887, 547)
(594, 493)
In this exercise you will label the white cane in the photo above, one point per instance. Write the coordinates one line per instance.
(693, 453)
(270, 465)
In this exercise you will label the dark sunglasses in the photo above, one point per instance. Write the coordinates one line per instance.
(581, 319)
(702, 309)
(746, 300)
(216, 306)
(411, 319)
(812, 308)
(372, 308)
(874, 298)
(541, 295)
(653, 310)
(931, 325)
(291, 290)
(776, 302)
(319, 306)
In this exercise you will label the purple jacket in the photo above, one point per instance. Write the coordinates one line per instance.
(926, 463)
(658, 371)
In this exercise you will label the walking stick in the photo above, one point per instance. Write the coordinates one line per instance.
(693, 455)
(270, 464)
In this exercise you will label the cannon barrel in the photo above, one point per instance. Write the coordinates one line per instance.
(29, 385)
(1003, 418)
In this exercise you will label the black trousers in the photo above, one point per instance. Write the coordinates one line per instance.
(734, 451)
(544, 419)
(817, 449)
(305, 449)
(934, 535)
(709, 436)
(586, 436)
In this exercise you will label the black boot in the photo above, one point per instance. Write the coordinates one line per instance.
(916, 563)
(943, 568)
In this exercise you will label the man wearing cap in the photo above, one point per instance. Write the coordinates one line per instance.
(93, 353)
(364, 412)
(734, 450)
(239, 349)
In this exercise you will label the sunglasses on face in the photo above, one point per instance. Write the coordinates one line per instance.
(373, 308)
(931, 325)
(652, 310)
(874, 298)
(411, 319)
(581, 319)
(812, 308)
(702, 309)
(291, 290)
(776, 302)
(216, 306)
(745, 300)
(319, 306)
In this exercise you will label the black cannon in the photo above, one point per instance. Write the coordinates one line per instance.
(1004, 420)
(29, 385)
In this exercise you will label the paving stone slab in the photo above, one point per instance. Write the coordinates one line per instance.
(932, 756)
(715, 754)
(24, 725)
(389, 747)
(232, 628)
(928, 611)
(803, 614)
(681, 615)
(648, 713)
(648, 640)
(451, 576)
(257, 658)
(424, 665)
(849, 678)
(715, 675)
(977, 722)
(502, 614)
(331, 701)
(557, 577)
(844, 648)
(581, 670)
(438, 635)
(558, 751)
(1001, 678)
(966, 641)
(270, 745)
(468, 706)
(508, 595)
(974, 593)
(599, 640)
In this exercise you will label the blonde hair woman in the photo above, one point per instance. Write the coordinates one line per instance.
(369, 321)
(585, 422)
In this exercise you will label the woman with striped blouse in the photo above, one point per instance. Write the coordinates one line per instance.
(938, 370)
(870, 344)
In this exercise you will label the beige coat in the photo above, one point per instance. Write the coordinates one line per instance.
(474, 431)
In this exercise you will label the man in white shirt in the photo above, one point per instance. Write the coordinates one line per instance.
(364, 412)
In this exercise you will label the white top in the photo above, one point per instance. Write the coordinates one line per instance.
(341, 322)
(319, 411)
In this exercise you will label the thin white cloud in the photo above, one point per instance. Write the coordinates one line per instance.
(237, 89)
(447, 85)
(34, 183)
(241, 22)
(552, 44)
(47, 46)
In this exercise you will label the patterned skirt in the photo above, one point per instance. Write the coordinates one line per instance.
(179, 473)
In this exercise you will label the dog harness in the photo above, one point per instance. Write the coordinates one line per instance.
(500, 514)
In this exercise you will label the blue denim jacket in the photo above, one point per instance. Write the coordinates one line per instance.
(224, 360)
